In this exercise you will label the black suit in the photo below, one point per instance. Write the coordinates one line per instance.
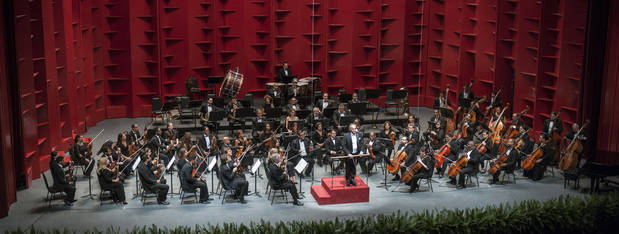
(274, 93)
(295, 148)
(231, 180)
(378, 149)
(465, 98)
(471, 168)
(204, 142)
(423, 172)
(158, 144)
(279, 180)
(134, 137)
(337, 117)
(321, 104)
(106, 182)
(510, 164)
(149, 182)
(190, 183)
(556, 124)
(60, 181)
(284, 75)
(347, 144)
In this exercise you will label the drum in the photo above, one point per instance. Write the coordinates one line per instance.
(312, 81)
(304, 88)
(231, 84)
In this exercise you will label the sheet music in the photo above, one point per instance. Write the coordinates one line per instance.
(301, 165)
(135, 165)
(170, 163)
(212, 164)
(255, 167)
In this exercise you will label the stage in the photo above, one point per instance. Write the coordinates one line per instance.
(30, 209)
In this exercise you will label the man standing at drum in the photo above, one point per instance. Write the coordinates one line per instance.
(284, 75)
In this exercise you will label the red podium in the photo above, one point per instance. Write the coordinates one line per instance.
(333, 190)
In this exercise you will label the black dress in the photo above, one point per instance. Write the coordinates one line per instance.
(106, 178)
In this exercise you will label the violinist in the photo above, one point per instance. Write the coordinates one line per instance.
(134, 135)
(352, 143)
(182, 160)
(225, 143)
(408, 149)
(436, 134)
(510, 164)
(170, 133)
(109, 181)
(425, 156)
(231, 178)
(80, 152)
(471, 167)
(302, 146)
(548, 150)
(190, 181)
(277, 170)
(122, 143)
(333, 146)
(159, 145)
(378, 150)
(62, 178)
(122, 162)
(186, 140)
(150, 181)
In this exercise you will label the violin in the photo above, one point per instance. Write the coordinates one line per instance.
(400, 156)
(569, 157)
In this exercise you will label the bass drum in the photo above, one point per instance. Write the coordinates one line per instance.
(231, 85)
(312, 81)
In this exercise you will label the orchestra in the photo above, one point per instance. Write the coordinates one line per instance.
(455, 144)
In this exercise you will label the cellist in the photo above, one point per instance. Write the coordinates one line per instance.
(425, 156)
(471, 167)
(408, 149)
(455, 146)
(510, 164)
(540, 165)
(582, 137)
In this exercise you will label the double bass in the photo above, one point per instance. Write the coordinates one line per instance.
(400, 156)
(569, 157)
(450, 126)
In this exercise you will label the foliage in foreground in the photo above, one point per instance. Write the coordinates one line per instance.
(595, 214)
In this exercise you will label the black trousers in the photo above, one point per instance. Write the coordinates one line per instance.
(448, 160)
(292, 188)
(69, 189)
(414, 181)
(240, 187)
(203, 189)
(351, 169)
(118, 191)
(537, 173)
(367, 163)
(463, 173)
(161, 190)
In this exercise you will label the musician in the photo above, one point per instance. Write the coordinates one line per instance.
(205, 110)
(150, 181)
(268, 102)
(225, 143)
(318, 138)
(134, 135)
(275, 91)
(537, 173)
(233, 115)
(412, 132)
(553, 124)
(159, 145)
(170, 133)
(280, 178)
(352, 145)
(472, 167)
(454, 146)
(233, 102)
(386, 133)
(435, 119)
(377, 149)
(510, 165)
(189, 182)
(230, 179)
(260, 119)
(435, 134)
(466, 97)
(360, 128)
(62, 179)
(411, 120)
(442, 103)
(470, 127)
(291, 117)
(293, 105)
(294, 90)
(516, 121)
(122, 143)
(425, 171)
(407, 148)
(325, 102)
(122, 163)
(333, 147)
(495, 101)
(79, 155)
(338, 115)
(284, 75)
(569, 137)
(186, 140)
(205, 141)
(109, 181)
(355, 99)
(303, 147)
(182, 160)
(315, 117)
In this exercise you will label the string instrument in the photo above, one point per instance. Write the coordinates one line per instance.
(556, 139)
(529, 161)
(194, 171)
(407, 176)
(489, 108)
(392, 137)
(513, 129)
(70, 177)
(497, 163)
(463, 132)
(569, 157)
(460, 111)
(399, 157)
(442, 153)
(370, 150)
(455, 167)
(473, 113)
(450, 126)
(519, 143)
(497, 126)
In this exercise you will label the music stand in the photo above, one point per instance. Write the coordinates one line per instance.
(358, 109)
(345, 97)
(219, 102)
(246, 112)
(273, 113)
(303, 113)
(304, 101)
(215, 117)
(328, 112)
(287, 139)
(87, 172)
(212, 81)
(347, 120)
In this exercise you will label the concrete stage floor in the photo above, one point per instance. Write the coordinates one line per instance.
(32, 210)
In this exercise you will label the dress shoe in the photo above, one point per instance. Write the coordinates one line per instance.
(205, 202)
(353, 182)
(209, 199)
(297, 203)
(243, 201)
(396, 178)
(164, 203)
(461, 187)
(125, 203)
(67, 203)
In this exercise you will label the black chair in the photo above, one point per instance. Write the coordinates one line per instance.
(470, 180)
(156, 109)
(273, 192)
(511, 173)
(104, 195)
(428, 180)
(222, 190)
(52, 193)
(184, 109)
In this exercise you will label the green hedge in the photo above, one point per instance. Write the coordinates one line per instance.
(594, 214)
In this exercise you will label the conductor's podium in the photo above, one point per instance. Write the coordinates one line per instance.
(333, 190)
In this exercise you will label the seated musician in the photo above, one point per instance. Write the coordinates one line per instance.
(123, 143)
(206, 139)
(314, 117)
(404, 147)
(260, 118)
(150, 181)
(443, 104)
(62, 179)
(510, 165)
(435, 119)
(277, 168)
(294, 90)
(360, 128)
(472, 167)
(225, 144)
(354, 99)
(205, 110)
(425, 156)
(386, 133)
(466, 97)
(455, 146)
(325, 102)
(377, 149)
(436, 135)
(293, 105)
(233, 115)
(338, 115)
(302, 147)
(190, 180)
(275, 92)
(537, 173)
(231, 179)
(318, 138)
(284, 75)
(182, 160)
(169, 134)
(333, 147)
(491, 149)
(291, 117)
(516, 121)
(524, 144)
(134, 135)
(470, 128)
(187, 140)
(159, 146)
(352, 145)
(79, 155)
(268, 102)
(411, 120)
(412, 132)
(234, 102)
(122, 163)
(110, 181)
(553, 124)
(569, 137)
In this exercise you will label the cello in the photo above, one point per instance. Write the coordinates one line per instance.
(442, 154)
(450, 126)
(407, 176)
(497, 126)
(513, 129)
(400, 156)
(455, 168)
(569, 157)
(529, 161)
